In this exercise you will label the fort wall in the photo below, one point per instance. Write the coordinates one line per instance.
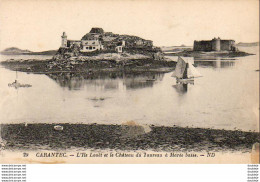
(202, 46)
(227, 45)
(214, 45)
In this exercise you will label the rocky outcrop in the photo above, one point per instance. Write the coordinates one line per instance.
(209, 55)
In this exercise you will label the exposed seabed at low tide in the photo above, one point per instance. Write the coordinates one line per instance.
(129, 137)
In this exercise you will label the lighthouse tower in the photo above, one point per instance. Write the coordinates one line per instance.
(64, 40)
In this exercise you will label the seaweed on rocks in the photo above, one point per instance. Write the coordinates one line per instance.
(121, 137)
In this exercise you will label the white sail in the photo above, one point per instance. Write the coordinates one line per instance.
(180, 68)
(181, 72)
(193, 72)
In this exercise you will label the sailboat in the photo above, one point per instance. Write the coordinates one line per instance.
(16, 84)
(185, 72)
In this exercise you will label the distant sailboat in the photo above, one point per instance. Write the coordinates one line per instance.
(185, 72)
(16, 84)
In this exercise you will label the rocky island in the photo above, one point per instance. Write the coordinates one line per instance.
(17, 51)
(210, 49)
(99, 51)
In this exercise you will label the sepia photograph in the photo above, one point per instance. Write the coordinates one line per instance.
(113, 81)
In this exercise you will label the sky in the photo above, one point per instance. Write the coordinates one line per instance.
(37, 25)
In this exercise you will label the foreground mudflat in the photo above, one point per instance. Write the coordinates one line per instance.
(124, 137)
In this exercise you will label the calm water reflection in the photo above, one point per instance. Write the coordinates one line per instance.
(106, 81)
(227, 96)
(215, 63)
(181, 88)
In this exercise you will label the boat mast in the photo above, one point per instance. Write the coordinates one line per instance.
(185, 73)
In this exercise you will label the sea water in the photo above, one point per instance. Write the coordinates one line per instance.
(226, 97)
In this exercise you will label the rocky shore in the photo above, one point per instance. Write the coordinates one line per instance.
(26, 65)
(128, 136)
(102, 62)
(208, 55)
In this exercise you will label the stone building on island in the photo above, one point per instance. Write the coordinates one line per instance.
(215, 44)
(97, 40)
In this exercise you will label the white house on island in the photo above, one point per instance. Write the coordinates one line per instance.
(85, 45)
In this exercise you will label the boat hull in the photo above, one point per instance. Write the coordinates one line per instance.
(186, 80)
(17, 85)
